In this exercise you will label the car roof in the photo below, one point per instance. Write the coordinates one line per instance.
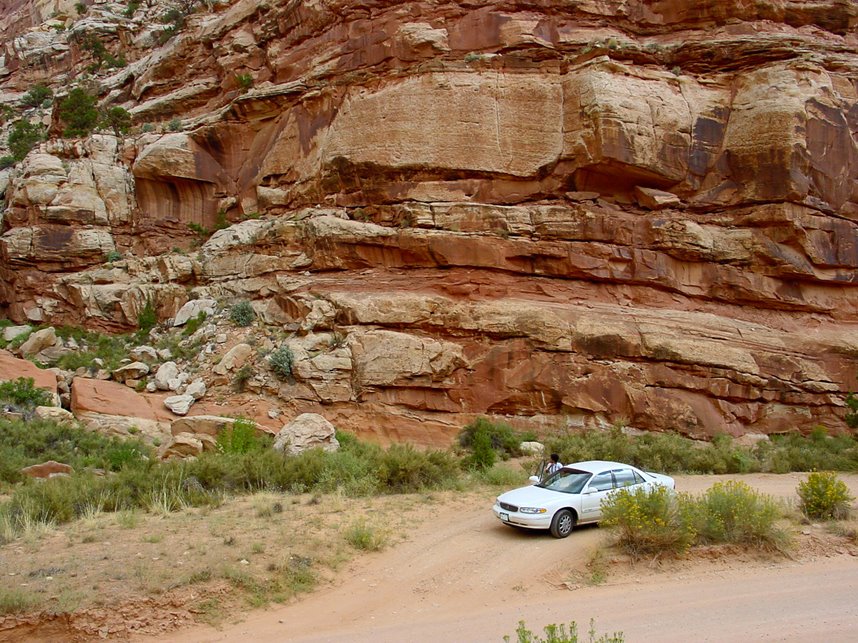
(597, 466)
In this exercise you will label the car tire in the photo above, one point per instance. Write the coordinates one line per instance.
(562, 524)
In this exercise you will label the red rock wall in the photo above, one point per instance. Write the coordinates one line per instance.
(640, 211)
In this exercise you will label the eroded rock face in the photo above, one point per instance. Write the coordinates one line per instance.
(558, 214)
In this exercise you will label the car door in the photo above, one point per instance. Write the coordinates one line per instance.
(593, 494)
(627, 479)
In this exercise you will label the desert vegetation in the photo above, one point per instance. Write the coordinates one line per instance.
(660, 522)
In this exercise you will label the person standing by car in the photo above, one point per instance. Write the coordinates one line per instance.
(554, 465)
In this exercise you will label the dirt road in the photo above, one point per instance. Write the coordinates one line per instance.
(462, 576)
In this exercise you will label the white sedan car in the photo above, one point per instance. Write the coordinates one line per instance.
(571, 496)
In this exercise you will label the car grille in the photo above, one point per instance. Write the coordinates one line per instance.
(508, 507)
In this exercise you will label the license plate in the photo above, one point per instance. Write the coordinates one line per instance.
(504, 516)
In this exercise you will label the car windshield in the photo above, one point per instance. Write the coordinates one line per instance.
(566, 480)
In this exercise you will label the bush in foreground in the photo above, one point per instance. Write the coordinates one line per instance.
(559, 634)
(649, 522)
(732, 512)
(824, 496)
(660, 522)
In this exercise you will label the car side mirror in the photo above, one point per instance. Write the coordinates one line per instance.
(534, 479)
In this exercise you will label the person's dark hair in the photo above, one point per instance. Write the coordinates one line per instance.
(555, 457)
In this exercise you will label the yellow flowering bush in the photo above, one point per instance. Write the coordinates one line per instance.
(824, 496)
(649, 522)
(732, 512)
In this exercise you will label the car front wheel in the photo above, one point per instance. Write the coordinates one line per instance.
(562, 524)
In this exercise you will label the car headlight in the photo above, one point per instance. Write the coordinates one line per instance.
(532, 510)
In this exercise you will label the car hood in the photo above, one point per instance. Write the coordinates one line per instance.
(533, 496)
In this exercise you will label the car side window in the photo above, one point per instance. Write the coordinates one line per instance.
(626, 478)
(638, 478)
(602, 482)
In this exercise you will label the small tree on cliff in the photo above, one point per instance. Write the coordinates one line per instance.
(79, 113)
(23, 138)
(117, 119)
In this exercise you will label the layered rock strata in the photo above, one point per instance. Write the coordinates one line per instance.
(558, 214)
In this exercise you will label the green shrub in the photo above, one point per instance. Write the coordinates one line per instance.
(242, 314)
(364, 537)
(175, 125)
(155, 487)
(282, 360)
(117, 119)
(403, 469)
(651, 522)
(482, 452)
(241, 437)
(732, 512)
(113, 255)
(852, 414)
(147, 317)
(23, 443)
(79, 113)
(824, 496)
(80, 7)
(110, 348)
(500, 476)
(91, 43)
(193, 324)
(15, 601)
(558, 634)
(242, 376)
(131, 8)
(36, 95)
(23, 392)
(505, 440)
(6, 161)
(244, 81)
(670, 452)
(23, 137)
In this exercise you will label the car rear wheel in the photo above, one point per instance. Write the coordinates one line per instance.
(562, 524)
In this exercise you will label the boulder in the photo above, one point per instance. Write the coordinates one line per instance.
(179, 404)
(652, 199)
(182, 445)
(209, 425)
(532, 448)
(11, 332)
(11, 368)
(55, 414)
(307, 431)
(193, 308)
(114, 409)
(132, 371)
(234, 358)
(38, 341)
(49, 469)
(143, 354)
(166, 372)
(196, 389)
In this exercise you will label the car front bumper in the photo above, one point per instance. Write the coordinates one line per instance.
(518, 519)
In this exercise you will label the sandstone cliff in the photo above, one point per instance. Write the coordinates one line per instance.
(561, 214)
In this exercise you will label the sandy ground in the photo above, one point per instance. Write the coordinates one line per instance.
(463, 576)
